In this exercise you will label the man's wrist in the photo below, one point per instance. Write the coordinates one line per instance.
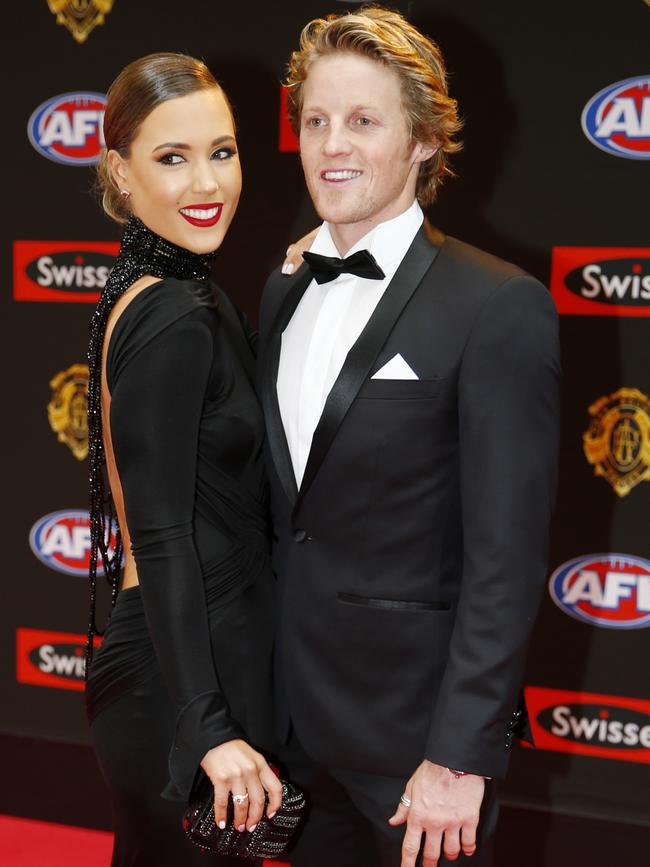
(459, 774)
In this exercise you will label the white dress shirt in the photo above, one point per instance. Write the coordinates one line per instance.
(327, 323)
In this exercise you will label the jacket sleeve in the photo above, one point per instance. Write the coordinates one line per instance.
(508, 434)
(156, 407)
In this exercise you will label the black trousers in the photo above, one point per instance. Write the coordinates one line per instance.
(347, 824)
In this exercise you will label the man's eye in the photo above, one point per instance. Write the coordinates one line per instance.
(315, 121)
(364, 121)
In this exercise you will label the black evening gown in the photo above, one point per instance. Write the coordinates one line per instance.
(186, 659)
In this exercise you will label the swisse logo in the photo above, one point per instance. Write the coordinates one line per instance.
(614, 280)
(588, 724)
(63, 659)
(610, 590)
(61, 540)
(73, 271)
(68, 128)
(598, 724)
(601, 281)
(52, 659)
(617, 118)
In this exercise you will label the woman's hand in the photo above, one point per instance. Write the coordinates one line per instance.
(236, 767)
(293, 259)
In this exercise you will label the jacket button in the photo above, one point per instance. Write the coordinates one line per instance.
(300, 536)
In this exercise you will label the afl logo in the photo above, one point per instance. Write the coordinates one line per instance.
(61, 540)
(611, 590)
(69, 128)
(617, 119)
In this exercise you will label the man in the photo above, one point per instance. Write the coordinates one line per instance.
(412, 412)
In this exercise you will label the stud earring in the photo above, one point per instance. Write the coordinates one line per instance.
(125, 194)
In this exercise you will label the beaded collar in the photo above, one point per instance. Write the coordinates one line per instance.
(143, 252)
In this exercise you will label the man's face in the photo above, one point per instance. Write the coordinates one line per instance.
(359, 161)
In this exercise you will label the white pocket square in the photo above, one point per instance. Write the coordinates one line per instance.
(396, 368)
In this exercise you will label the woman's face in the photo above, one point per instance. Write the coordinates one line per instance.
(183, 171)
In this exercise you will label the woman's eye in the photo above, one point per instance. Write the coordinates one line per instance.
(171, 159)
(224, 154)
(315, 122)
(364, 121)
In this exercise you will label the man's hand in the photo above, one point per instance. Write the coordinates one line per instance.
(443, 807)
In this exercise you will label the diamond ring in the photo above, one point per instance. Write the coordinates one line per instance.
(240, 799)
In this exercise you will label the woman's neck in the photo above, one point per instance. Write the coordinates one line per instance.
(142, 248)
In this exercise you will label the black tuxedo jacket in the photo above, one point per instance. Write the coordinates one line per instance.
(412, 559)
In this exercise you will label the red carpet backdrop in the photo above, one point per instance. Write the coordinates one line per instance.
(555, 175)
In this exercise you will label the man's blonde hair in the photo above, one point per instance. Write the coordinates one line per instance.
(388, 38)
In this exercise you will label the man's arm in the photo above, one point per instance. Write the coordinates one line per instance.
(508, 431)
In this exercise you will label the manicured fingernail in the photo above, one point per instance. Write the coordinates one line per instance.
(271, 815)
(252, 828)
(241, 828)
(288, 268)
(222, 824)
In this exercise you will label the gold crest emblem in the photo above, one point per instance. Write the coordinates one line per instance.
(617, 443)
(80, 16)
(67, 411)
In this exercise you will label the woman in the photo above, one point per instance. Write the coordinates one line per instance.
(182, 678)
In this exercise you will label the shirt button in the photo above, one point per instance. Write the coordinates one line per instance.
(300, 536)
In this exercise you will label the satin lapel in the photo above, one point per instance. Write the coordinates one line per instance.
(361, 357)
(296, 287)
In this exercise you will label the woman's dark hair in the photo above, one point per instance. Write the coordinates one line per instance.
(136, 92)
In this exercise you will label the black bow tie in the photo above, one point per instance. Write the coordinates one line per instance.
(326, 268)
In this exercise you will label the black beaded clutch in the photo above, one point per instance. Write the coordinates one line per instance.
(269, 839)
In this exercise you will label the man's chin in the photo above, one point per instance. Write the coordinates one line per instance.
(334, 206)
(338, 215)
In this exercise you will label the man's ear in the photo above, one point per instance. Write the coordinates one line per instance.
(118, 169)
(422, 151)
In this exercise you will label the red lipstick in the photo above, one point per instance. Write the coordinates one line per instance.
(210, 216)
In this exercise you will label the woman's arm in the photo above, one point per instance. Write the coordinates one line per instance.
(293, 258)
(156, 408)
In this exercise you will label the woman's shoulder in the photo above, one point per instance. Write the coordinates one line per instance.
(155, 309)
(162, 303)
